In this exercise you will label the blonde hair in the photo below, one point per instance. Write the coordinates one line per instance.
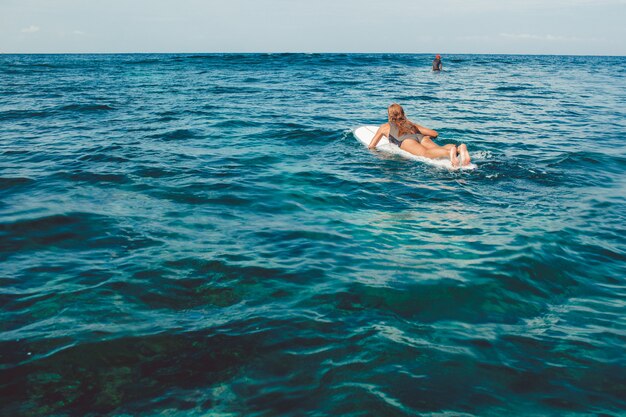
(397, 117)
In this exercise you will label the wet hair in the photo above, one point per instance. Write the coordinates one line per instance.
(397, 117)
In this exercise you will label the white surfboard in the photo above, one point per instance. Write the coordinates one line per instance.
(364, 134)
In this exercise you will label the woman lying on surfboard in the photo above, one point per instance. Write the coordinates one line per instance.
(417, 139)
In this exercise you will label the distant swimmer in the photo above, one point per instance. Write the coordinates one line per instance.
(437, 65)
(417, 139)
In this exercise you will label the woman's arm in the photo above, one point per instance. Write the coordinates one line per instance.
(383, 130)
(426, 131)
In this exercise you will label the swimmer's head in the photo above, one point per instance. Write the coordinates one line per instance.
(396, 114)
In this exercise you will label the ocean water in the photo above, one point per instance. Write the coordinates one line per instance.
(202, 235)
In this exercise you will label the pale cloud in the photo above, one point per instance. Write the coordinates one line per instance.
(598, 2)
(537, 3)
(78, 32)
(30, 29)
(474, 38)
(547, 38)
(482, 6)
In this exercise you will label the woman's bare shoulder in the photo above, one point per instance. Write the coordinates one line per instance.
(384, 127)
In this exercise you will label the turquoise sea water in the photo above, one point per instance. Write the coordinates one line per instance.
(202, 235)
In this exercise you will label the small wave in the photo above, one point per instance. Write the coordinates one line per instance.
(155, 172)
(93, 177)
(586, 167)
(147, 61)
(431, 302)
(86, 107)
(201, 57)
(216, 57)
(39, 113)
(169, 116)
(65, 230)
(304, 135)
(24, 114)
(102, 156)
(408, 99)
(496, 169)
(513, 88)
(178, 134)
(43, 65)
(223, 272)
(105, 153)
(26, 67)
(191, 195)
(14, 182)
(240, 123)
(73, 231)
(240, 90)
(570, 159)
(346, 83)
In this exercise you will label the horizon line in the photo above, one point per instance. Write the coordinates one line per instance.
(310, 53)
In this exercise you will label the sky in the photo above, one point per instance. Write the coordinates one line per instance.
(553, 27)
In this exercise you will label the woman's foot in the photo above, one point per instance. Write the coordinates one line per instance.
(453, 159)
(465, 156)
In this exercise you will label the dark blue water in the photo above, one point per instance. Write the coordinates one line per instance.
(202, 235)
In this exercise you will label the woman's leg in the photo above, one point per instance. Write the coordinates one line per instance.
(412, 146)
(428, 143)
(453, 159)
(465, 156)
